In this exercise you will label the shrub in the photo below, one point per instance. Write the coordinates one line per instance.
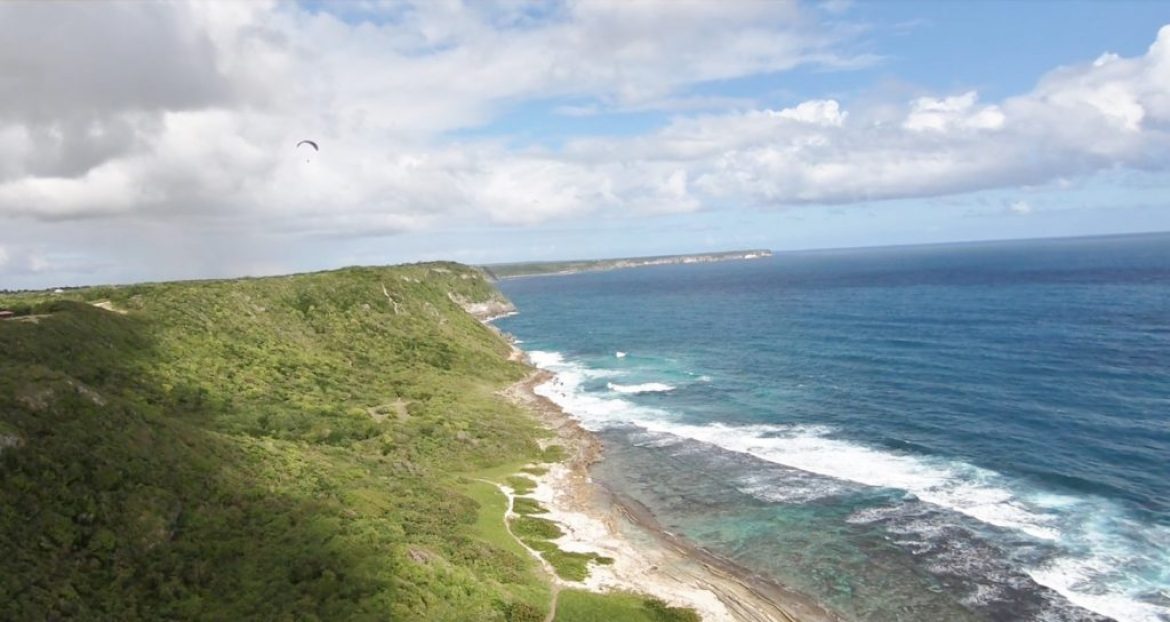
(532, 527)
(527, 505)
(522, 612)
(521, 485)
(661, 612)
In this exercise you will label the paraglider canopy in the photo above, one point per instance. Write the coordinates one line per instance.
(309, 143)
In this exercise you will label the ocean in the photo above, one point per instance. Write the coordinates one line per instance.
(952, 432)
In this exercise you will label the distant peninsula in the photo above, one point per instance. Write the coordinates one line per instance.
(548, 268)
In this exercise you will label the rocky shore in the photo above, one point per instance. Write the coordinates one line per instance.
(647, 559)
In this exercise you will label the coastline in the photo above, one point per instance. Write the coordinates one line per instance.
(565, 268)
(647, 558)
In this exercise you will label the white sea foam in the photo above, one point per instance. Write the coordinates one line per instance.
(551, 361)
(958, 486)
(1092, 577)
(492, 318)
(573, 374)
(790, 490)
(646, 387)
(594, 411)
(1110, 559)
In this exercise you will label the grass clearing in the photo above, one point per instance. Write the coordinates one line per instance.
(489, 520)
(583, 606)
(497, 473)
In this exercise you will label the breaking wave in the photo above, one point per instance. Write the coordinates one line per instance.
(1106, 562)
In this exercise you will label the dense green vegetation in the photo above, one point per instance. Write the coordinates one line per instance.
(286, 448)
(521, 485)
(526, 505)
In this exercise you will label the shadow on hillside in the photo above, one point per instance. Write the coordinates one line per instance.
(121, 502)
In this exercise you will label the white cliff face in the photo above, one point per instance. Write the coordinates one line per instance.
(486, 310)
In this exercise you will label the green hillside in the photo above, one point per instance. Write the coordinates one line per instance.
(285, 448)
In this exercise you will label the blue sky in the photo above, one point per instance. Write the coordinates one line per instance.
(999, 49)
(1002, 48)
(489, 132)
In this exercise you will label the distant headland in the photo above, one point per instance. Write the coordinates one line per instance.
(547, 268)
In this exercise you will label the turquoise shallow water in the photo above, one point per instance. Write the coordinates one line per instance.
(967, 431)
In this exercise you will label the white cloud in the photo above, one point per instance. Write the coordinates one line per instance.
(817, 112)
(951, 113)
(197, 135)
(694, 103)
(1077, 121)
(200, 128)
(1022, 208)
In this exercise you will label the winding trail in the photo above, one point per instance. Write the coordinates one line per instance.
(554, 581)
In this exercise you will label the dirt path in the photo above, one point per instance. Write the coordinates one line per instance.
(554, 581)
(552, 603)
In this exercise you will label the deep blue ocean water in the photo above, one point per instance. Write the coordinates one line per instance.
(971, 431)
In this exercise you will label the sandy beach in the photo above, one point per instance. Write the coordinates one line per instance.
(647, 559)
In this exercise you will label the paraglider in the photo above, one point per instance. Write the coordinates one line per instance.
(309, 143)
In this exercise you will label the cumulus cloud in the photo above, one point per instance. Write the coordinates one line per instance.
(952, 113)
(188, 110)
(818, 112)
(1077, 121)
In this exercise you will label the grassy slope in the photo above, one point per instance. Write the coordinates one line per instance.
(582, 606)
